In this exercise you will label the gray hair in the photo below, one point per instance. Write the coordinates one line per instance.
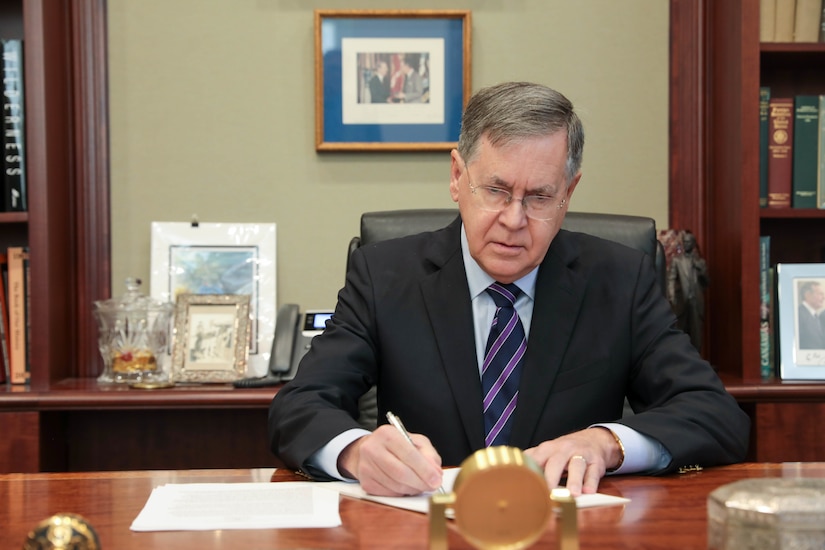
(513, 111)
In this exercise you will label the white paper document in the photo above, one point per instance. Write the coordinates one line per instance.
(421, 503)
(208, 506)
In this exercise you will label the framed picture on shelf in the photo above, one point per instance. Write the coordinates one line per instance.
(220, 258)
(391, 80)
(211, 337)
(801, 306)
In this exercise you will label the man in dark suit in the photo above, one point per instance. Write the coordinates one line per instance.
(811, 333)
(380, 84)
(414, 315)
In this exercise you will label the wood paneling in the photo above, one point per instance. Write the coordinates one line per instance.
(20, 442)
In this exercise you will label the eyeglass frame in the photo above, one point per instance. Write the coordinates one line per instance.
(509, 199)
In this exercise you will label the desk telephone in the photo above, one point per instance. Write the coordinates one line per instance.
(294, 332)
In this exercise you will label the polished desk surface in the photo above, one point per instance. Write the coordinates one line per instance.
(664, 512)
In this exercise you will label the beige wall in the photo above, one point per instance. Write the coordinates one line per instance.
(212, 113)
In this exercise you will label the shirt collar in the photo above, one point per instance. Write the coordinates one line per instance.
(478, 279)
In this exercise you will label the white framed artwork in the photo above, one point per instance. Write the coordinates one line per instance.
(220, 259)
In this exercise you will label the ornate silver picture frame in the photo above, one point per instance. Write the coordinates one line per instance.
(210, 338)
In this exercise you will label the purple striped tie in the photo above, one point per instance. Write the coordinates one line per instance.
(502, 365)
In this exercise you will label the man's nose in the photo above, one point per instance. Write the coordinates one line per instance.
(514, 214)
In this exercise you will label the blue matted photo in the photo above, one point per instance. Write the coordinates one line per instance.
(394, 80)
(801, 316)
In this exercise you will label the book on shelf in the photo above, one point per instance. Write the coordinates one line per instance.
(14, 139)
(805, 151)
(807, 16)
(767, 20)
(17, 302)
(766, 342)
(764, 99)
(4, 322)
(784, 20)
(822, 23)
(820, 173)
(780, 151)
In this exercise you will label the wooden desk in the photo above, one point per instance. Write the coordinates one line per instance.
(667, 512)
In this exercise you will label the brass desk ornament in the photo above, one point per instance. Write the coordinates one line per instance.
(63, 532)
(499, 501)
(564, 504)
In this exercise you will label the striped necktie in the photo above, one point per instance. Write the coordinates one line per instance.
(502, 365)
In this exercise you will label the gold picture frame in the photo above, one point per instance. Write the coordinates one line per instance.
(211, 337)
(421, 58)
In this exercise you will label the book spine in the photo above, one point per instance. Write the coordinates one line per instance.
(27, 307)
(767, 20)
(806, 20)
(765, 306)
(4, 321)
(764, 100)
(805, 151)
(820, 173)
(14, 164)
(822, 23)
(780, 160)
(785, 18)
(17, 316)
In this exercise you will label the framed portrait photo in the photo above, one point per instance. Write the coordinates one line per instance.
(210, 341)
(801, 318)
(392, 80)
(220, 258)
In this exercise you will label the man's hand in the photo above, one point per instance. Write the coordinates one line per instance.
(386, 464)
(585, 456)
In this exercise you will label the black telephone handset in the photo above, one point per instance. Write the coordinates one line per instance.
(281, 357)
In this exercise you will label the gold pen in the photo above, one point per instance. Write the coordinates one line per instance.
(396, 422)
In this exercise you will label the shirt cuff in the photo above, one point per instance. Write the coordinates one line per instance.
(325, 459)
(641, 452)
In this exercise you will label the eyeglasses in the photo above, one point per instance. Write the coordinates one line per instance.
(496, 199)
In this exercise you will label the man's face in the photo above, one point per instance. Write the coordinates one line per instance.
(815, 296)
(508, 244)
(382, 68)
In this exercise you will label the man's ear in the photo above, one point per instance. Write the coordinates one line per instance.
(573, 183)
(456, 169)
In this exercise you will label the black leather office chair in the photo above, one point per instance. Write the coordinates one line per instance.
(633, 231)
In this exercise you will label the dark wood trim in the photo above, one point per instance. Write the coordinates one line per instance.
(687, 107)
(50, 180)
(87, 394)
(67, 140)
(91, 133)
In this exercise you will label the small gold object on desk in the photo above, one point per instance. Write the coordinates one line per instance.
(160, 385)
(63, 532)
(767, 514)
(567, 528)
(499, 501)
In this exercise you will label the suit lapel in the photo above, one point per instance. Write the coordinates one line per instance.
(447, 298)
(559, 295)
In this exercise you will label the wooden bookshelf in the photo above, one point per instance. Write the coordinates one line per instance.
(717, 67)
(67, 225)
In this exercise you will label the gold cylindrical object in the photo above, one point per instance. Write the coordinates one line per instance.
(501, 499)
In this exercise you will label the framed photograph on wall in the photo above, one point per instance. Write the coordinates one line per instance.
(391, 80)
(210, 341)
(801, 306)
(220, 258)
